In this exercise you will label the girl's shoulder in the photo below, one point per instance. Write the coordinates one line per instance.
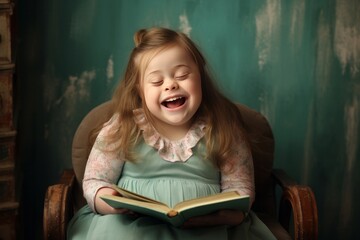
(111, 125)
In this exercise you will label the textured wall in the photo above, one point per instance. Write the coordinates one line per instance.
(296, 61)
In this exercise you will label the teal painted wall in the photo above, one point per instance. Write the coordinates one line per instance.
(296, 61)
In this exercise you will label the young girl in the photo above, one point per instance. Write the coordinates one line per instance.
(173, 137)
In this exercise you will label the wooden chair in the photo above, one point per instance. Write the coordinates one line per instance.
(296, 201)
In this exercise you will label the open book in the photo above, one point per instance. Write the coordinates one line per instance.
(181, 211)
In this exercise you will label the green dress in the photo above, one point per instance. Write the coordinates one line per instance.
(169, 182)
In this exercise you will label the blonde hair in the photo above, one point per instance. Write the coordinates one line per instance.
(222, 117)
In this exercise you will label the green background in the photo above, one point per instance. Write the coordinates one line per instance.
(295, 61)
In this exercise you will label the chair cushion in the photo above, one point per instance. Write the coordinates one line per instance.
(81, 145)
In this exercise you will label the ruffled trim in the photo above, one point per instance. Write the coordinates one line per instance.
(172, 151)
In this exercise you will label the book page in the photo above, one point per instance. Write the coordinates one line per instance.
(131, 195)
(216, 198)
(208, 205)
(152, 209)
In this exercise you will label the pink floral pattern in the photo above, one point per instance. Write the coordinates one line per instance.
(238, 172)
(104, 166)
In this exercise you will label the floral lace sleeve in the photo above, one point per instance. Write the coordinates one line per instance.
(103, 167)
(238, 172)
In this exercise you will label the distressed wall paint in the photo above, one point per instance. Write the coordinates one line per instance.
(351, 121)
(324, 55)
(110, 70)
(297, 22)
(267, 30)
(347, 46)
(347, 49)
(184, 24)
(347, 35)
(77, 88)
(296, 61)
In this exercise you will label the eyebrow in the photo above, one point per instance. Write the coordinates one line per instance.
(153, 72)
(174, 68)
(181, 65)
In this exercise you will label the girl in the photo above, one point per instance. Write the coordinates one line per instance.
(173, 137)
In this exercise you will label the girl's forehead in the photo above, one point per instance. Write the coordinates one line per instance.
(168, 58)
(148, 56)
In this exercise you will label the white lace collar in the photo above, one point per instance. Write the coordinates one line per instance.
(172, 151)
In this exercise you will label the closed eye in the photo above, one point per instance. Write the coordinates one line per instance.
(157, 83)
(182, 76)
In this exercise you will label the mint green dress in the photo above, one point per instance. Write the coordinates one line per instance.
(171, 183)
(166, 171)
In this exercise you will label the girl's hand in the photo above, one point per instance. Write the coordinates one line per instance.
(222, 217)
(103, 208)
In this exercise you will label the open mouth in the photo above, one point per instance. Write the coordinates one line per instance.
(174, 102)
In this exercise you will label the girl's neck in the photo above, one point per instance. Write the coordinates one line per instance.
(172, 132)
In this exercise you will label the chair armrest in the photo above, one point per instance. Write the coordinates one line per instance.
(58, 208)
(300, 200)
(68, 177)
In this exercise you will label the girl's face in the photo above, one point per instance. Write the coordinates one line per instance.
(171, 86)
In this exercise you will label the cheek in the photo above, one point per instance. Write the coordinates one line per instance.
(150, 97)
(143, 94)
(196, 89)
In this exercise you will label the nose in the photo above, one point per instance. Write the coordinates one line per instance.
(171, 85)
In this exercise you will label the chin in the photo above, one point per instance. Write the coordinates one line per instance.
(179, 122)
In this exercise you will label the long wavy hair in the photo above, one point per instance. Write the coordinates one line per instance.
(224, 123)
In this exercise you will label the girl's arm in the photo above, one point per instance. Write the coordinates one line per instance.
(103, 169)
(238, 172)
(238, 175)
